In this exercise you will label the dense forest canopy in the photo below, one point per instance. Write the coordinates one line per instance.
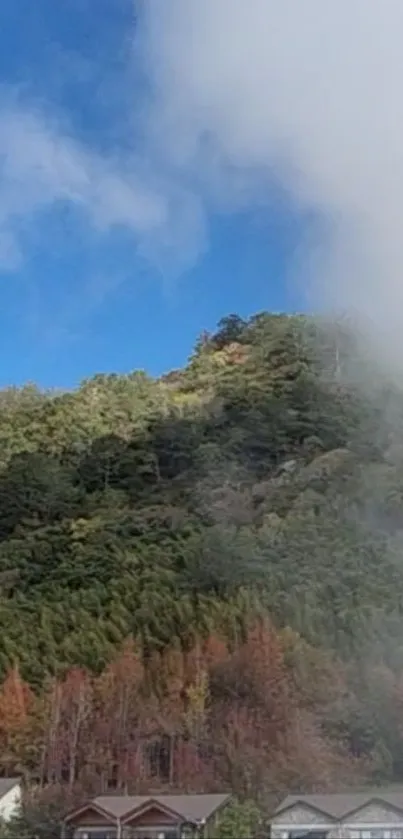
(201, 576)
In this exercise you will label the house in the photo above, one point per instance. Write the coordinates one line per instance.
(374, 814)
(145, 817)
(10, 797)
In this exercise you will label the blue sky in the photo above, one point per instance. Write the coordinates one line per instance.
(110, 259)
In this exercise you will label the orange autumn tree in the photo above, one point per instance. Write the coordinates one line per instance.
(253, 707)
(193, 767)
(20, 725)
(166, 686)
(114, 753)
(204, 719)
(69, 708)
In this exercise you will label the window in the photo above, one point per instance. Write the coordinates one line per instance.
(101, 833)
(157, 832)
(376, 833)
(308, 834)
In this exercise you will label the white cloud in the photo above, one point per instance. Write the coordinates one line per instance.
(309, 90)
(312, 89)
(40, 168)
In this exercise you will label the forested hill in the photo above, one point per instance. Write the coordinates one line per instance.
(159, 508)
(249, 504)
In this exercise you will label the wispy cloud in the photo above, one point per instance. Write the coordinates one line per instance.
(40, 168)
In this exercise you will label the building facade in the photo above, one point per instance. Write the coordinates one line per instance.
(373, 815)
(142, 817)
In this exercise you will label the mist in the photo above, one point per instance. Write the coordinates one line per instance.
(304, 94)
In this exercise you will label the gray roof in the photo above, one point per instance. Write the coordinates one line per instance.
(6, 784)
(192, 808)
(338, 805)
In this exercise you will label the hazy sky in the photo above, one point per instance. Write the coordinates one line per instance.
(166, 162)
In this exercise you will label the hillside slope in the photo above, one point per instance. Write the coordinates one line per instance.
(247, 508)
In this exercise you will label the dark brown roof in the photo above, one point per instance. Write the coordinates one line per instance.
(192, 808)
(8, 783)
(338, 805)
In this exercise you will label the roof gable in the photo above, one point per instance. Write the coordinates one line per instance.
(91, 807)
(301, 804)
(189, 808)
(150, 807)
(339, 806)
(371, 807)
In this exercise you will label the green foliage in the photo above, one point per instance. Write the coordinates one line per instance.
(260, 479)
(40, 818)
(238, 821)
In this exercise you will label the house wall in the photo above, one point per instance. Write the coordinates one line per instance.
(91, 817)
(375, 814)
(296, 818)
(150, 822)
(374, 831)
(374, 822)
(151, 817)
(152, 832)
(371, 822)
(300, 815)
(283, 831)
(95, 831)
(92, 823)
(10, 803)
